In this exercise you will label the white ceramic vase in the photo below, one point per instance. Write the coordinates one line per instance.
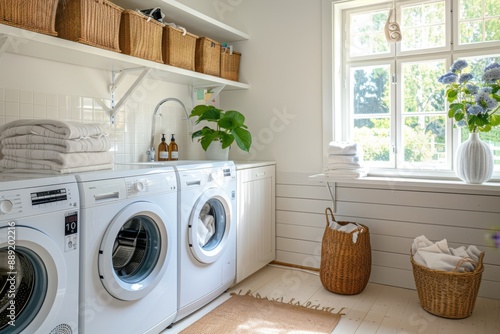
(474, 160)
(216, 152)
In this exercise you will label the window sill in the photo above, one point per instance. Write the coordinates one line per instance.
(400, 182)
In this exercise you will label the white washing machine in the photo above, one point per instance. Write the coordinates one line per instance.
(39, 254)
(207, 233)
(129, 250)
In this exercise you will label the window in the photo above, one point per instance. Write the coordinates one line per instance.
(386, 95)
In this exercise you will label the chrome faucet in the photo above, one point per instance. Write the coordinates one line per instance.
(155, 112)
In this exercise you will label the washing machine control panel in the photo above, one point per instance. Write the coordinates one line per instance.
(38, 200)
(150, 184)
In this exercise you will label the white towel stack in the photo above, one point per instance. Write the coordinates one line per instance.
(49, 146)
(439, 256)
(344, 161)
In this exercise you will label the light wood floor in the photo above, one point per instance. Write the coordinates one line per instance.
(378, 309)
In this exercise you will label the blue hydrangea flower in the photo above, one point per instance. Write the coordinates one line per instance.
(481, 96)
(448, 78)
(477, 96)
(465, 77)
(486, 90)
(491, 66)
(473, 89)
(458, 65)
(492, 75)
(491, 103)
(475, 109)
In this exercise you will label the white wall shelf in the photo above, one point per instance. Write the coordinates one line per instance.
(28, 43)
(194, 21)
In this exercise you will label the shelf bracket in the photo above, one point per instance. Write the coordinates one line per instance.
(215, 90)
(116, 79)
(4, 42)
(332, 188)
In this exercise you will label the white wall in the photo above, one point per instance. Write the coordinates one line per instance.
(282, 64)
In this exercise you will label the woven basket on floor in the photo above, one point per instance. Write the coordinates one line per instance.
(91, 22)
(141, 36)
(345, 265)
(207, 56)
(448, 294)
(179, 48)
(229, 64)
(34, 15)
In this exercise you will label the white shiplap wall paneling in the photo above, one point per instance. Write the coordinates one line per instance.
(395, 214)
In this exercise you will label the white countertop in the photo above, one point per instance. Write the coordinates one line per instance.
(252, 164)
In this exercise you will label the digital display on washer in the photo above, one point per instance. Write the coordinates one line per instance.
(71, 223)
(51, 196)
(227, 172)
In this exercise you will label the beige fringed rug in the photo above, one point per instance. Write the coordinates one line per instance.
(246, 314)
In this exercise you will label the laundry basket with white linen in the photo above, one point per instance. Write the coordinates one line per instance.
(447, 279)
(345, 256)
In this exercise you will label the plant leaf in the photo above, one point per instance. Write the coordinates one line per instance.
(243, 138)
(211, 114)
(231, 119)
(451, 94)
(207, 139)
(459, 116)
(495, 120)
(226, 139)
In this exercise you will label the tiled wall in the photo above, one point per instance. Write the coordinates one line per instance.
(130, 133)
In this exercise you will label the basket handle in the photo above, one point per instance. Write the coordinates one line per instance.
(462, 261)
(326, 214)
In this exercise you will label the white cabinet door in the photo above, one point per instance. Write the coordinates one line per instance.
(256, 229)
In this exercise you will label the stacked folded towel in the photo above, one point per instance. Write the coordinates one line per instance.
(49, 146)
(344, 161)
(439, 256)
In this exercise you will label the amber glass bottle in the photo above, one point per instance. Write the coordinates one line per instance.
(173, 149)
(163, 150)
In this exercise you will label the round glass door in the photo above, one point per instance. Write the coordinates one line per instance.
(23, 284)
(134, 251)
(209, 226)
(32, 271)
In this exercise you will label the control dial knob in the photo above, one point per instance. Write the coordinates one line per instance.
(139, 186)
(6, 206)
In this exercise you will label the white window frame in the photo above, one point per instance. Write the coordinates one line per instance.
(446, 48)
(334, 121)
(456, 45)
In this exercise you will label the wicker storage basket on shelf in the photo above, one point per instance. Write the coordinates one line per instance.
(345, 265)
(207, 56)
(34, 15)
(229, 64)
(91, 22)
(448, 294)
(179, 48)
(141, 36)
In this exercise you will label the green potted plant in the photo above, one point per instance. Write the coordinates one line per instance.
(228, 127)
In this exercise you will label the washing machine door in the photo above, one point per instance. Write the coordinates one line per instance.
(134, 252)
(209, 225)
(32, 279)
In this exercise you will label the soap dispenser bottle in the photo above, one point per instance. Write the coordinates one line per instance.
(163, 150)
(173, 149)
